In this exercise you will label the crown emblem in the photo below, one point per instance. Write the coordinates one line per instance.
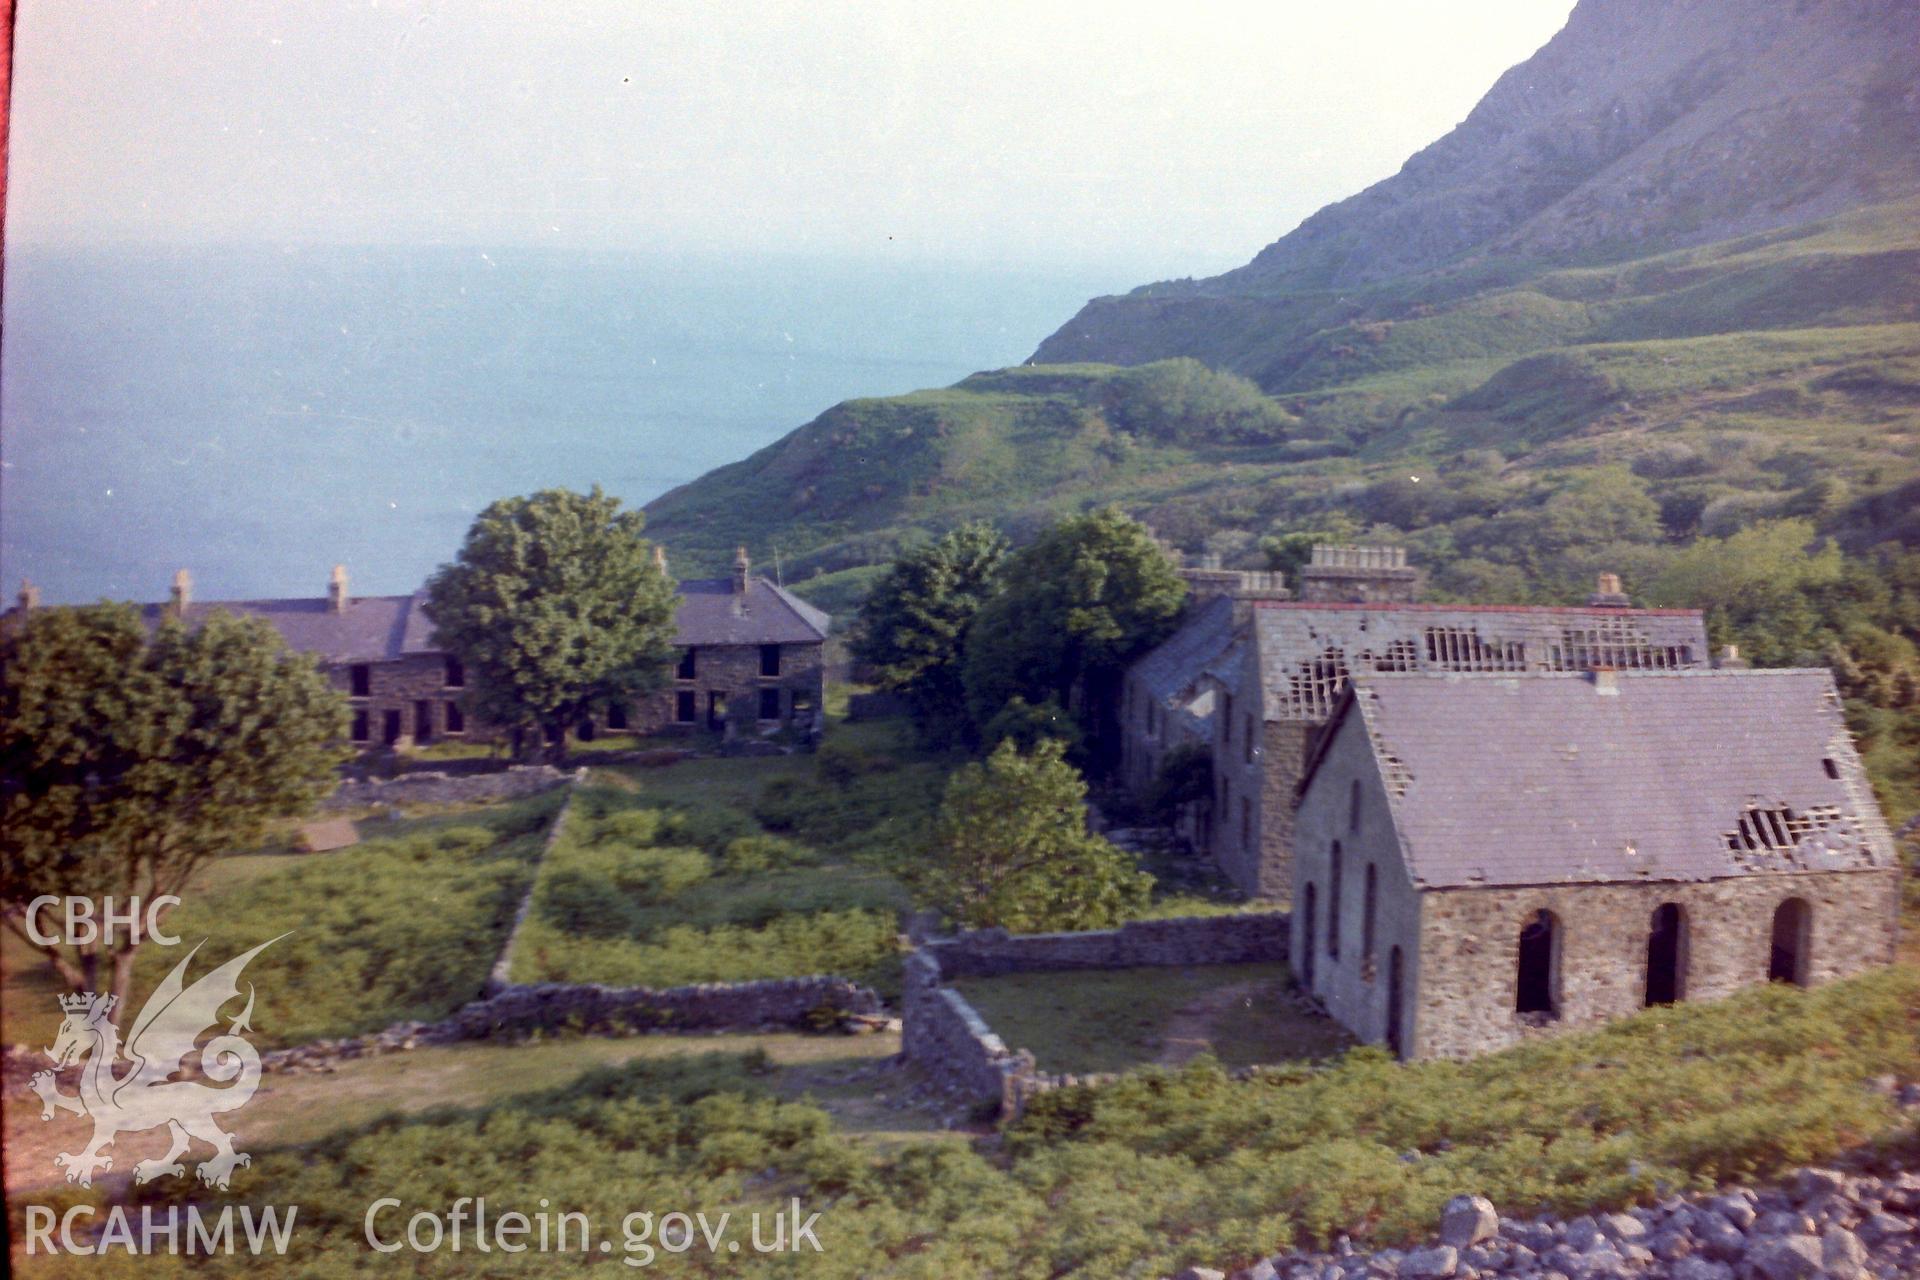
(85, 1002)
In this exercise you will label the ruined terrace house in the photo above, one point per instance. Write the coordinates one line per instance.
(749, 659)
(1356, 615)
(1481, 858)
(1169, 696)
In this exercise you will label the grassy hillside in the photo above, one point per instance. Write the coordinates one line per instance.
(1520, 429)
(1774, 373)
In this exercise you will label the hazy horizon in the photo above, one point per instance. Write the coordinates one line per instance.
(716, 223)
(1184, 140)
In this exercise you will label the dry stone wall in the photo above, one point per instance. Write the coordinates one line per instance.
(948, 1040)
(442, 788)
(1230, 939)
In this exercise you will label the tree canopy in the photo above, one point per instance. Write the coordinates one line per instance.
(557, 609)
(911, 626)
(1011, 848)
(127, 758)
(1078, 604)
(1182, 400)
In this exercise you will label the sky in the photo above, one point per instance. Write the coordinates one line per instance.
(1182, 136)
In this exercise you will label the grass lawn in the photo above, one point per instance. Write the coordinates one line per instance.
(1114, 1020)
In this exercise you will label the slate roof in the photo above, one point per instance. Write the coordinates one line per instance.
(1307, 649)
(370, 629)
(711, 614)
(384, 628)
(1169, 671)
(1684, 775)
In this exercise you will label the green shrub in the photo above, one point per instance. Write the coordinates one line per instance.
(660, 875)
(749, 854)
(403, 928)
(632, 827)
(710, 827)
(1163, 1170)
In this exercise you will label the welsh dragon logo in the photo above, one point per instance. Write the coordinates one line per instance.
(146, 1095)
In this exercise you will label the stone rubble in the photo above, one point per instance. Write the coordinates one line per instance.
(1818, 1224)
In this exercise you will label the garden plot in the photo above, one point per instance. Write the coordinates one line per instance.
(1115, 1019)
(641, 890)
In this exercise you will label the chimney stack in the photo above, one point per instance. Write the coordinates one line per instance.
(29, 596)
(1607, 594)
(1729, 659)
(182, 592)
(660, 560)
(740, 567)
(1358, 575)
(337, 589)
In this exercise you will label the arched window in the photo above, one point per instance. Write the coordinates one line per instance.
(1396, 982)
(1368, 906)
(1353, 807)
(1306, 938)
(1792, 942)
(1537, 982)
(1333, 903)
(1667, 955)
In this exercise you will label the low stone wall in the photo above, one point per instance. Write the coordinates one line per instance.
(947, 1039)
(590, 1007)
(501, 976)
(444, 788)
(509, 1011)
(1235, 939)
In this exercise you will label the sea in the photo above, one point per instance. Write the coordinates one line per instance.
(257, 414)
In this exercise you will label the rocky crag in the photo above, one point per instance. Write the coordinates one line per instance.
(1643, 126)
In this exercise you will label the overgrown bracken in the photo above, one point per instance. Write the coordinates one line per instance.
(1163, 1169)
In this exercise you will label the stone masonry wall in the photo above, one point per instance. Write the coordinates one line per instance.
(1253, 827)
(1469, 947)
(518, 1010)
(1347, 807)
(1284, 755)
(414, 689)
(947, 1039)
(1194, 940)
(734, 671)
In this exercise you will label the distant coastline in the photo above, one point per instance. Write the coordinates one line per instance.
(259, 414)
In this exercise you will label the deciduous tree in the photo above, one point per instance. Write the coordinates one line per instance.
(913, 623)
(1087, 597)
(128, 759)
(1011, 848)
(557, 609)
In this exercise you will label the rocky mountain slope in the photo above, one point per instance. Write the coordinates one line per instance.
(1613, 266)
(1644, 125)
